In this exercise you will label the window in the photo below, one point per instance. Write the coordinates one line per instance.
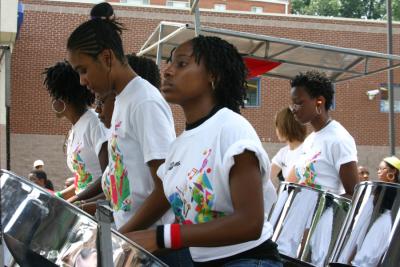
(137, 2)
(253, 93)
(220, 7)
(384, 103)
(257, 9)
(178, 4)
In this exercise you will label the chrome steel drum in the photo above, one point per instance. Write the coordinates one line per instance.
(371, 233)
(58, 231)
(307, 222)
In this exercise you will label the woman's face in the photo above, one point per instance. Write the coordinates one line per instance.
(95, 74)
(363, 174)
(185, 81)
(303, 106)
(386, 173)
(104, 106)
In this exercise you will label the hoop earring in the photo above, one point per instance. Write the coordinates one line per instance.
(318, 110)
(54, 109)
(390, 176)
(213, 85)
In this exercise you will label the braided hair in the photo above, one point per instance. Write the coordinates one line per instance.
(101, 32)
(316, 84)
(145, 68)
(225, 63)
(62, 82)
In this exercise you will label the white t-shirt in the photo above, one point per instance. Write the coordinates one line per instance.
(323, 154)
(84, 142)
(142, 130)
(196, 176)
(286, 158)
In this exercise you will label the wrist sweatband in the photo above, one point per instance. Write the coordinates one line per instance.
(167, 236)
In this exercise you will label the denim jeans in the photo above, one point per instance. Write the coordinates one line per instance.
(253, 263)
(177, 258)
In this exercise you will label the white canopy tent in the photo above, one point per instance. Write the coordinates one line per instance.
(340, 64)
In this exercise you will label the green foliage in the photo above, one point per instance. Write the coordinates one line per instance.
(366, 9)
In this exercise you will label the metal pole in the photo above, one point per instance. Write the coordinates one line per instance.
(194, 8)
(7, 58)
(104, 215)
(159, 46)
(197, 21)
(392, 134)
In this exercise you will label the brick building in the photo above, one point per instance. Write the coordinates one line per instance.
(36, 133)
(255, 6)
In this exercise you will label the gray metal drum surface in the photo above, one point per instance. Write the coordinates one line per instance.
(57, 230)
(371, 233)
(307, 222)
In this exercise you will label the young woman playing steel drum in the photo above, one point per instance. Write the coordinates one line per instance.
(329, 160)
(216, 174)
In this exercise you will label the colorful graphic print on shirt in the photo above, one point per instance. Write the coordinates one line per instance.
(196, 197)
(117, 178)
(82, 176)
(307, 174)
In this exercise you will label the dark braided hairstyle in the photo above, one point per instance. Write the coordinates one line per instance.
(316, 84)
(100, 33)
(62, 82)
(225, 63)
(145, 68)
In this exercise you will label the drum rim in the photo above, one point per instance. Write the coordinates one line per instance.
(320, 191)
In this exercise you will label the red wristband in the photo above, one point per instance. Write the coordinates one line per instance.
(176, 240)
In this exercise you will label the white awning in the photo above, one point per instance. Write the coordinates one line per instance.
(340, 64)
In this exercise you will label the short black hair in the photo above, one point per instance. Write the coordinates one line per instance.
(316, 84)
(62, 82)
(224, 62)
(145, 68)
(101, 32)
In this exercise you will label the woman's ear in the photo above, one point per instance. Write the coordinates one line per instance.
(107, 56)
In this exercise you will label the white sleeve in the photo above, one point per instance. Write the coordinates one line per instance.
(161, 171)
(278, 158)
(98, 135)
(235, 141)
(154, 129)
(344, 151)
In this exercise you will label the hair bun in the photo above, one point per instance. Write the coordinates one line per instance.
(102, 11)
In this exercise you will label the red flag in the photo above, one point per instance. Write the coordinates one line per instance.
(257, 67)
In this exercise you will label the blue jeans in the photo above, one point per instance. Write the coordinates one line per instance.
(177, 258)
(253, 263)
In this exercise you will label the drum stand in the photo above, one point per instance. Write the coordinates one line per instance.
(104, 215)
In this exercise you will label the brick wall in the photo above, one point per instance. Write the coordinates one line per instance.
(47, 25)
(234, 5)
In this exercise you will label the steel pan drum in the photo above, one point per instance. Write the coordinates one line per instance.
(371, 233)
(56, 230)
(307, 222)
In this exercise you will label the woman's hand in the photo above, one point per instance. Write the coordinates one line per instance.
(72, 199)
(146, 239)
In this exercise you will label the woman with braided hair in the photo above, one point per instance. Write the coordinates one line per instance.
(216, 173)
(142, 126)
(86, 146)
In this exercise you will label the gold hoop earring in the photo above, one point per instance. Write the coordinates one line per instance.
(318, 110)
(54, 109)
(390, 176)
